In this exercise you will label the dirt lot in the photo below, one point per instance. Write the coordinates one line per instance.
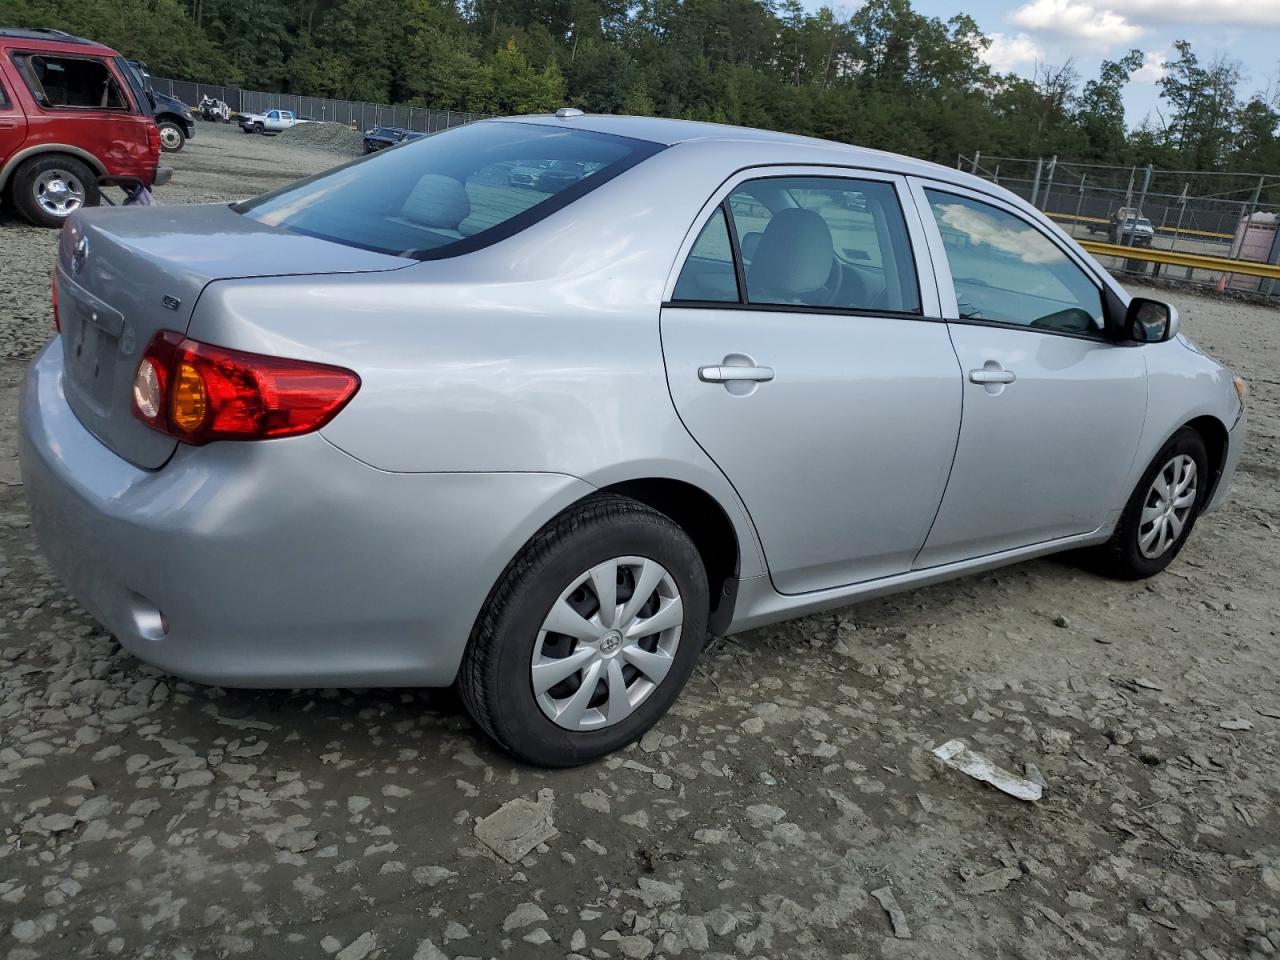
(148, 817)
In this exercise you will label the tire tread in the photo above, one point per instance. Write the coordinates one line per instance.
(485, 643)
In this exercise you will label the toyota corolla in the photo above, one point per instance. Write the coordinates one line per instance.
(406, 423)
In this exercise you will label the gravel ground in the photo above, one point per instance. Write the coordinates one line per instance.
(765, 817)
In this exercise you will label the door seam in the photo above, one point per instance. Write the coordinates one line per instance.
(955, 452)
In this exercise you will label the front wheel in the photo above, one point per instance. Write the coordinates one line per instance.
(172, 136)
(1158, 518)
(48, 189)
(589, 635)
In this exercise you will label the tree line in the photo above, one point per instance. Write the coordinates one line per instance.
(886, 76)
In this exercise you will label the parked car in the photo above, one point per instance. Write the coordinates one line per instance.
(1129, 227)
(272, 121)
(72, 115)
(526, 173)
(379, 138)
(542, 446)
(564, 173)
(172, 116)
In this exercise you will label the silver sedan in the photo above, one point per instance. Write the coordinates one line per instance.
(409, 423)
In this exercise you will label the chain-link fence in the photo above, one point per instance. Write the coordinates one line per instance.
(347, 112)
(1231, 215)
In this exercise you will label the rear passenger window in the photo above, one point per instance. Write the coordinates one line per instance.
(71, 82)
(708, 273)
(1006, 271)
(825, 242)
(4, 97)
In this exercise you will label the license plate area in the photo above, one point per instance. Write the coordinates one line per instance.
(91, 336)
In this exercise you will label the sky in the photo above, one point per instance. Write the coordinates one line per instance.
(1027, 32)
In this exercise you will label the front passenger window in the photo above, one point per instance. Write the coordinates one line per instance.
(1006, 271)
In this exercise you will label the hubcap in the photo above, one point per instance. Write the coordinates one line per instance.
(59, 192)
(1167, 507)
(607, 643)
(169, 137)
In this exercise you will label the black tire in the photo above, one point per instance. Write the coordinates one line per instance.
(25, 187)
(259, 128)
(1121, 556)
(172, 137)
(494, 680)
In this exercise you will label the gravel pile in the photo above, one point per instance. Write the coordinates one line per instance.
(333, 137)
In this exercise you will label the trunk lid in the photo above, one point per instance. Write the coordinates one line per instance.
(124, 274)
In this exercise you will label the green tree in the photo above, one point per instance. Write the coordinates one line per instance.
(1203, 101)
(1100, 113)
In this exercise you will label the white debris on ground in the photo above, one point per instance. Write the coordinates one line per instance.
(954, 753)
(147, 817)
(519, 826)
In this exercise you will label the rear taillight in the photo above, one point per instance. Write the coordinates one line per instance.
(153, 140)
(200, 393)
(53, 288)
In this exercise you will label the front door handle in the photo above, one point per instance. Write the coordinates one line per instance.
(988, 375)
(723, 374)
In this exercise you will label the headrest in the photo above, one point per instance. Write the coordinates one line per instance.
(437, 201)
(794, 255)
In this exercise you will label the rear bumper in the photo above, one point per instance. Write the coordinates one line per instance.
(162, 176)
(277, 563)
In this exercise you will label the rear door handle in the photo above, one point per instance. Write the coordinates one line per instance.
(8, 124)
(986, 375)
(727, 374)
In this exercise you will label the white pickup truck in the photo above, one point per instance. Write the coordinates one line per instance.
(273, 121)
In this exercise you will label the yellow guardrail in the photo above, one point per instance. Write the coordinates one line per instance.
(1163, 228)
(1178, 258)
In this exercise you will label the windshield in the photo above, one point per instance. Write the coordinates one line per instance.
(448, 193)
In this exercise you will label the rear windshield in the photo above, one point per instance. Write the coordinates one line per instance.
(451, 192)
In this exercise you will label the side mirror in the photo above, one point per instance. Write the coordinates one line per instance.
(1150, 321)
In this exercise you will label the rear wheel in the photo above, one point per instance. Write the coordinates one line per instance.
(48, 189)
(1158, 518)
(172, 136)
(589, 635)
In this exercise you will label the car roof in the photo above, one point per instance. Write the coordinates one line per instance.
(669, 132)
(54, 40)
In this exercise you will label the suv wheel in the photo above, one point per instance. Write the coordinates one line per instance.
(172, 136)
(48, 189)
(589, 634)
(1161, 511)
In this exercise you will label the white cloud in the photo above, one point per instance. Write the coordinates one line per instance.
(1153, 67)
(1221, 13)
(1079, 19)
(1116, 22)
(1006, 53)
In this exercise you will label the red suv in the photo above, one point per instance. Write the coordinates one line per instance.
(73, 116)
